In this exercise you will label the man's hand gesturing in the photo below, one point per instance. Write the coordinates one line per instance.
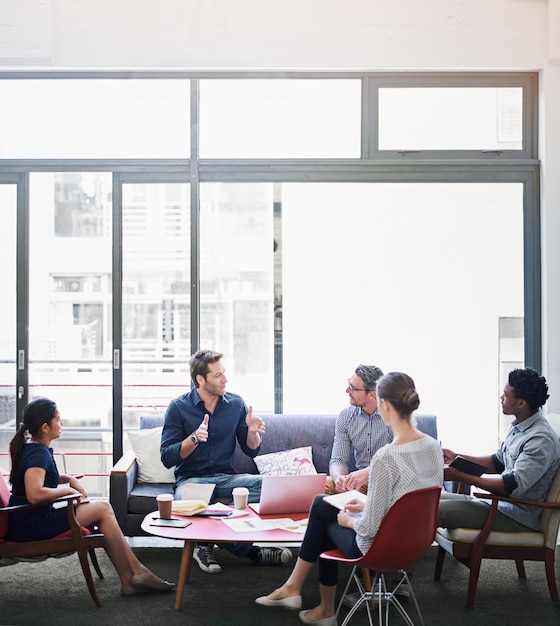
(254, 422)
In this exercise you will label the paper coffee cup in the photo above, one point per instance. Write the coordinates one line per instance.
(165, 502)
(240, 497)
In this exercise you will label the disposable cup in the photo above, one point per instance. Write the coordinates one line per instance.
(240, 497)
(165, 502)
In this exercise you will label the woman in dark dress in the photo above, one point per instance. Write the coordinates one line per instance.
(35, 479)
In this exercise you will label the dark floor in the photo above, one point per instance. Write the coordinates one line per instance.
(54, 592)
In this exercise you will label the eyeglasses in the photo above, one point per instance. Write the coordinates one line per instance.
(354, 389)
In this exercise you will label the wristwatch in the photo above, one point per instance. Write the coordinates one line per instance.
(194, 440)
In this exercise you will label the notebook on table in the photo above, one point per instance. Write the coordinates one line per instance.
(198, 491)
(288, 494)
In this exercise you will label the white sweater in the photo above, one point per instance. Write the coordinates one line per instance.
(394, 471)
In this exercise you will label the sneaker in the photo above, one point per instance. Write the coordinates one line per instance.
(350, 600)
(403, 591)
(204, 556)
(274, 556)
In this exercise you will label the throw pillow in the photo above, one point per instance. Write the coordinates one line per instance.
(145, 443)
(288, 462)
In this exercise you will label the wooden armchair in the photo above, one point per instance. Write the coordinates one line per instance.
(77, 539)
(470, 546)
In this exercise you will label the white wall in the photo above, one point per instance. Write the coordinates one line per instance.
(316, 34)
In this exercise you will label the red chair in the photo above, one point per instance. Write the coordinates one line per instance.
(77, 539)
(404, 536)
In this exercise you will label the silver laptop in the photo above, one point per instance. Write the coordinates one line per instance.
(289, 494)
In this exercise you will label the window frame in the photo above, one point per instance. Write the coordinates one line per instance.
(374, 165)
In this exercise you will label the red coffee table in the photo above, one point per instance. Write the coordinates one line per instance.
(213, 530)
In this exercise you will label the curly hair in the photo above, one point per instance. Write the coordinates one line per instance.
(528, 385)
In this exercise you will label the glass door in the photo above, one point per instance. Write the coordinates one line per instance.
(156, 330)
(8, 418)
(70, 335)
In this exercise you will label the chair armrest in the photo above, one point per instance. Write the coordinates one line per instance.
(498, 498)
(480, 541)
(21, 507)
(124, 464)
(121, 483)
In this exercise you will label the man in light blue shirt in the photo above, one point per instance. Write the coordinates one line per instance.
(523, 467)
(359, 433)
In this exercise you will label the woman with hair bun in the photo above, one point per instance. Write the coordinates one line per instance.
(35, 479)
(411, 461)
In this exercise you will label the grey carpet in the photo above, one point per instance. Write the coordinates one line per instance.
(54, 592)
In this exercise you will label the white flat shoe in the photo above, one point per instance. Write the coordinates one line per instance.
(327, 621)
(143, 582)
(293, 602)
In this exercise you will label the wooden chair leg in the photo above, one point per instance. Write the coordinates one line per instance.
(520, 565)
(473, 582)
(82, 555)
(439, 563)
(366, 578)
(550, 576)
(95, 563)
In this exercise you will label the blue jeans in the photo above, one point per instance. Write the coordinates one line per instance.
(324, 533)
(225, 483)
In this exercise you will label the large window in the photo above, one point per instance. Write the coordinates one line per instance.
(300, 223)
(409, 277)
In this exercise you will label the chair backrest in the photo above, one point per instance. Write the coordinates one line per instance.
(550, 519)
(406, 532)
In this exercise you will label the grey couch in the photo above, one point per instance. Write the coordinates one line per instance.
(132, 500)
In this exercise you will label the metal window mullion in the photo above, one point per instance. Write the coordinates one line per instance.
(532, 271)
(118, 429)
(22, 295)
(195, 216)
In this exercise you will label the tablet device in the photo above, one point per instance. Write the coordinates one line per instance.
(468, 467)
(170, 523)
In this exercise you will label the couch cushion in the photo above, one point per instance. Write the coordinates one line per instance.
(495, 538)
(146, 444)
(143, 497)
(288, 462)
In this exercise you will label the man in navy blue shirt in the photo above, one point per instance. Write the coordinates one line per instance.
(199, 436)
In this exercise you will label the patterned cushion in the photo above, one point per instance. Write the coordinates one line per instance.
(289, 462)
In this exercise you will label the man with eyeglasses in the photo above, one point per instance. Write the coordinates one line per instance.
(359, 433)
